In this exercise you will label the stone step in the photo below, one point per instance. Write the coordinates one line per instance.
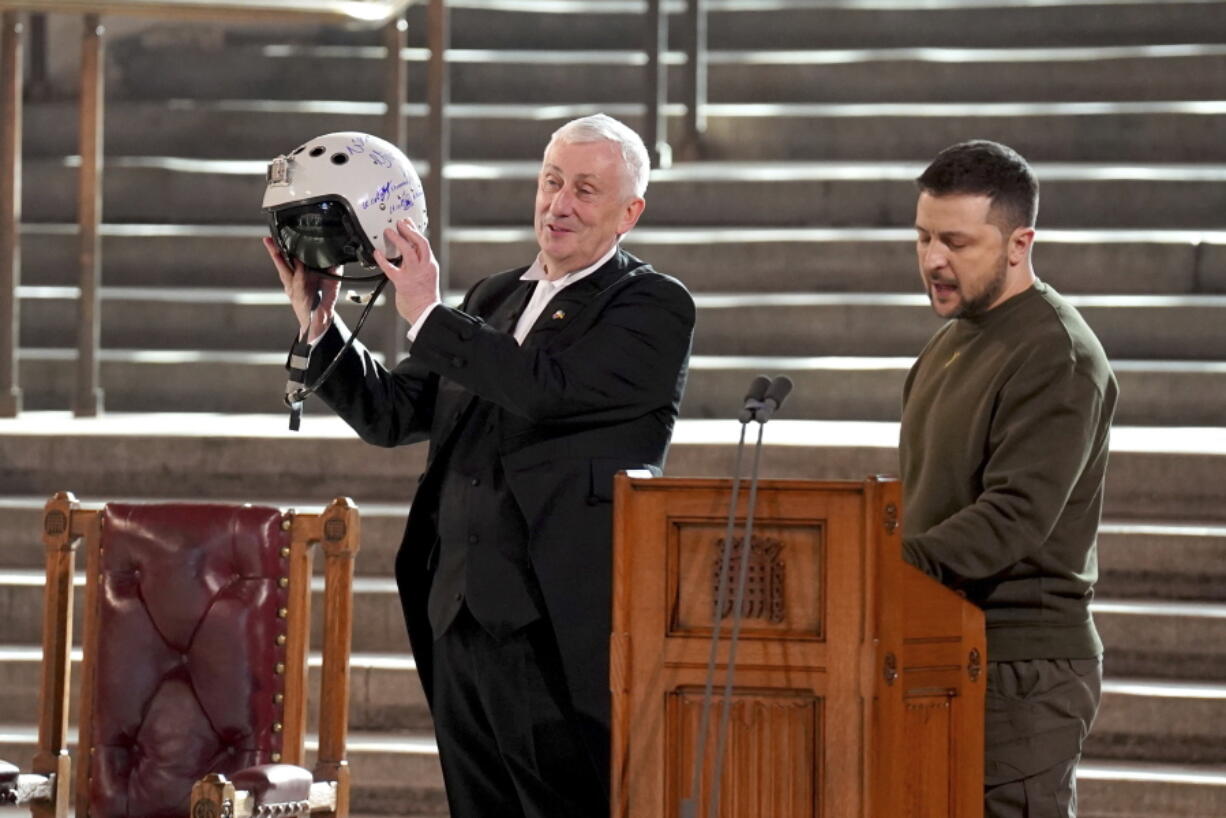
(741, 194)
(739, 24)
(1164, 640)
(1160, 721)
(1178, 131)
(202, 456)
(1137, 559)
(392, 774)
(909, 74)
(791, 324)
(1159, 560)
(1105, 790)
(1171, 474)
(1143, 327)
(773, 24)
(1153, 720)
(1149, 638)
(1117, 789)
(707, 259)
(1152, 393)
(401, 776)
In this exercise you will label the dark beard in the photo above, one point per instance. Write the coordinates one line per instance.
(980, 304)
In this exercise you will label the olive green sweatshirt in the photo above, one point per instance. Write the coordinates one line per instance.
(1005, 426)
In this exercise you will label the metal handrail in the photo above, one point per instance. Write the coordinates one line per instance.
(694, 85)
(695, 80)
(88, 393)
(372, 12)
(655, 122)
(11, 65)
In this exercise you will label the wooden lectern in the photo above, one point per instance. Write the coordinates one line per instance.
(859, 680)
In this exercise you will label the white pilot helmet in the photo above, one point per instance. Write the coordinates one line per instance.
(330, 199)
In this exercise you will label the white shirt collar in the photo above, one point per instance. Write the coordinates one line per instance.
(537, 271)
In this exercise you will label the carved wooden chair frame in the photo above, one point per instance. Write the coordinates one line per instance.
(46, 789)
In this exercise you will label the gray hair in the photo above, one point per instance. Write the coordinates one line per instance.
(604, 128)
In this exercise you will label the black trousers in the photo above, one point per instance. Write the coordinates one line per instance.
(507, 735)
(1038, 713)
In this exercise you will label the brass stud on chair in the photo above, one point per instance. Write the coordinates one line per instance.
(279, 698)
(283, 612)
(277, 727)
(280, 668)
(276, 757)
(287, 524)
(285, 550)
(281, 639)
(283, 582)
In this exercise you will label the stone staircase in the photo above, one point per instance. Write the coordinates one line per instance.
(794, 236)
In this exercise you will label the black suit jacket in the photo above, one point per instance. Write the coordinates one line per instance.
(594, 389)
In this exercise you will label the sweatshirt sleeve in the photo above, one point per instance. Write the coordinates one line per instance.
(1043, 432)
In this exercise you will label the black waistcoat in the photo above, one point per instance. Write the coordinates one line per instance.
(482, 558)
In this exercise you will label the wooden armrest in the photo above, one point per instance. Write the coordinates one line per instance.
(274, 783)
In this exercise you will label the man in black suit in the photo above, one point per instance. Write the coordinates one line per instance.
(546, 381)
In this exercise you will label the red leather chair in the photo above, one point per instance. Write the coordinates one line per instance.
(194, 675)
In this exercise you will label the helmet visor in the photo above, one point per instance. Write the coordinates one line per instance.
(319, 234)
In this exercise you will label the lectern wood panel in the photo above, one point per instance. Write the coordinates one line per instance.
(803, 727)
(772, 732)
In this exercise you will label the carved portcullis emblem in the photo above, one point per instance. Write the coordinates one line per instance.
(764, 587)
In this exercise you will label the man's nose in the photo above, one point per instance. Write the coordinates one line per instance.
(561, 203)
(932, 257)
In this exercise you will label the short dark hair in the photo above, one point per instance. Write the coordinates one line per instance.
(985, 168)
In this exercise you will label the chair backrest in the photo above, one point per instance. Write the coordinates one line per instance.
(196, 636)
(185, 672)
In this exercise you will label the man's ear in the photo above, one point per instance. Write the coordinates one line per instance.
(1020, 242)
(630, 215)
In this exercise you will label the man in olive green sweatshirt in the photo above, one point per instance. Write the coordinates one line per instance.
(1006, 417)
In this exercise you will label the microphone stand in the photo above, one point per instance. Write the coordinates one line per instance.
(760, 403)
(737, 618)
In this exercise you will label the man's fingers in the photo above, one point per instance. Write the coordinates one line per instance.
(283, 272)
(403, 242)
(415, 238)
(274, 252)
(390, 270)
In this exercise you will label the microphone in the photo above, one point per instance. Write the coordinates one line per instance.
(753, 398)
(779, 389)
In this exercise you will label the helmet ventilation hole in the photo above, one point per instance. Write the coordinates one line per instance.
(318, 150)
(339, 158)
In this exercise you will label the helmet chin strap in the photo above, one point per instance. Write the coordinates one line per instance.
(300, 352)
(375, 276)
